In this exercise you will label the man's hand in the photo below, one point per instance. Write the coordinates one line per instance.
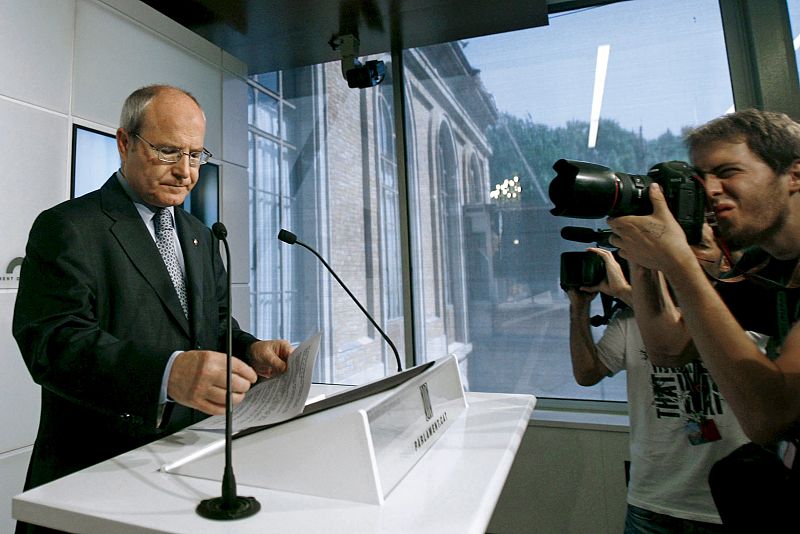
(269, 357)
(614, 284)
(198, 378)
(580, 297)
(654, 241)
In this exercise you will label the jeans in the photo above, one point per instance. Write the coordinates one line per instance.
(641, 521)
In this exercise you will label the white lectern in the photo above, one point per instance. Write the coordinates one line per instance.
(357, 451)
(446, 477)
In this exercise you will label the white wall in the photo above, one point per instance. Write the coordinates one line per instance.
(567, 478)
(74, 61)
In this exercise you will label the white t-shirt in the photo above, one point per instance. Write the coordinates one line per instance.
(669, 475)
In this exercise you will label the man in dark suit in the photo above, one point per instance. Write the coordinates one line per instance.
(121, 314)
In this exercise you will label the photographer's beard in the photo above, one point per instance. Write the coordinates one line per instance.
(762, 230)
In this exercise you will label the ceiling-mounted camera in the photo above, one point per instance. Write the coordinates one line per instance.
(369, 74)
(358, 75)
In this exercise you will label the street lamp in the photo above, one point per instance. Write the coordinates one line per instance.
(510, 189)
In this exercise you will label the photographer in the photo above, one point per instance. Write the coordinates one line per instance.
(679, 423)
(750, 161)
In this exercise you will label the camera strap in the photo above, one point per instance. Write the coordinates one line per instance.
(781, 278)
(782, 274)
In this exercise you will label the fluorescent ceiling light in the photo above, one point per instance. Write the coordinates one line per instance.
(599, 87)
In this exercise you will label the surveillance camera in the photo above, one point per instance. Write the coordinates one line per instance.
(358, 75)
(369, 74)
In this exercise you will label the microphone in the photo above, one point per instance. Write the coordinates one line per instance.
(586, 235)
(229, 505)
(220, 232)
(288, 237)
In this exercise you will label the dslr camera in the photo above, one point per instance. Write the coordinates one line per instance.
(586, 268)
(591, 191)
(579, 269)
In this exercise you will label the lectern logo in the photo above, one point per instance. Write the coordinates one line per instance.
(426, 401)
(10, 279)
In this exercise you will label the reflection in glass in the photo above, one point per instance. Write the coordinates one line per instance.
(794, 23)
(542, 88)
(332, 180)
(479, 113)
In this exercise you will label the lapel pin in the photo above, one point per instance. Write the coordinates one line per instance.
(194, 241)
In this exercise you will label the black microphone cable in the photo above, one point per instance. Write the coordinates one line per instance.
(289, 238)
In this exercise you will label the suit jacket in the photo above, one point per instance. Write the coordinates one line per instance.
(96, 319)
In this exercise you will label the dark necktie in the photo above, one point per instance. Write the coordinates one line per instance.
(166, 246)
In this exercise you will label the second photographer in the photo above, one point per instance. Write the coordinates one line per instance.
(679, 424)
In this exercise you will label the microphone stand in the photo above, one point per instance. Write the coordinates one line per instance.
(229, 505)
(288, 237)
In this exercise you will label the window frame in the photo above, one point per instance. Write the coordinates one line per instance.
(751, 77)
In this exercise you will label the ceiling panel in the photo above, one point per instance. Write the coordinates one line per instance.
(271, 35)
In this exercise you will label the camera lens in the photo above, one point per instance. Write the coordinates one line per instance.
(584, 190)
(591, 191)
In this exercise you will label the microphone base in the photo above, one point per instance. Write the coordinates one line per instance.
(215, 508)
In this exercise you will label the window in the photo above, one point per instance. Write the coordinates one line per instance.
(481, 115)
(272, 157)
(794, 23)
(447, 214)
(513, 104)
(323, 166)
(392, 286)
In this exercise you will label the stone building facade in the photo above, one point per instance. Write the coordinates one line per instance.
(338, 186)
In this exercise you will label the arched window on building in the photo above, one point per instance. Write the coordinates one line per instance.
(392, 286)
(450, 232)
(475, 180)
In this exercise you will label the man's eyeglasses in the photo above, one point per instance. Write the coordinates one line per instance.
(171, 154)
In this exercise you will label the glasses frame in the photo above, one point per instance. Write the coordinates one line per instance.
(196, 162)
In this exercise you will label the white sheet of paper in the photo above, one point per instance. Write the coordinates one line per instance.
(276, 399)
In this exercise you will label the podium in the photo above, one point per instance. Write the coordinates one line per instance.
(357, 451)
(408, 464)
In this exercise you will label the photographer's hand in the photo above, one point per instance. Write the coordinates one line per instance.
(580, 299)
(614, 284)
(654, 241)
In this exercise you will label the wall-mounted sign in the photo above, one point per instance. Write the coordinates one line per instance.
(9, 273)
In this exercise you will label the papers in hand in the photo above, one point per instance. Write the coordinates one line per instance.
(276, 399)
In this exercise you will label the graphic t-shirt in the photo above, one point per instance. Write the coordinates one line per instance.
(680, 426)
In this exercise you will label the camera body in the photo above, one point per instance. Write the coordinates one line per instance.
(591, 191)
(579, 269)
(586, 269)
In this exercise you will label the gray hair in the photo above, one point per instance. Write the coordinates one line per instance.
(773, 137)
(131, 118)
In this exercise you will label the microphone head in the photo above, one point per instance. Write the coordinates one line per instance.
(287, 237)
(579, 234)
(219, 230)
